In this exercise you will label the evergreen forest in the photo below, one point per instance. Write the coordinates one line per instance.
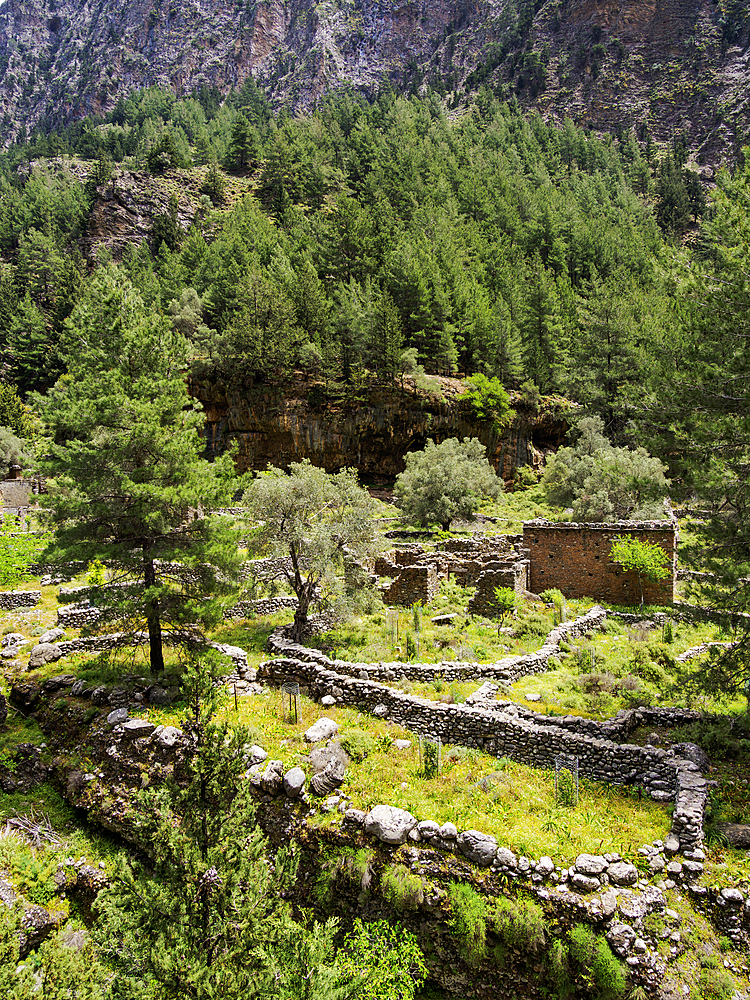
(361, 246)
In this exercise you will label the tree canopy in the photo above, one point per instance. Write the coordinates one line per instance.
(310, 519)
(127, 483)
(604, 483)
(444, 481)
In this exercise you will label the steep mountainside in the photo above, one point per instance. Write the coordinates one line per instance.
(665, 65)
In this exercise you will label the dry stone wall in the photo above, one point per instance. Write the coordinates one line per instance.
(574, 558)
(10, 600)
(508, 731)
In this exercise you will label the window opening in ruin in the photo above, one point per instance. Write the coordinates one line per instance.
(290, 701)
(566, 779)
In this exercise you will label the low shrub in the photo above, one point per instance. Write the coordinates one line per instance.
(347, 865)
(358, 744)
(714, 984)
(401, 888)
(519, 923)
(468, 921)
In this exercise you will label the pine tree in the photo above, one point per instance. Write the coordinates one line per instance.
(205, 918)
(127, 483)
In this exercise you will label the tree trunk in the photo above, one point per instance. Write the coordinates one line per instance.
(156, 653)
(300, 616)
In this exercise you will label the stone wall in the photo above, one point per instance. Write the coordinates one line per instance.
(10, 600)
(414, 583)
(16, 494)
(265, 606)
(574, 558)
(510, 573)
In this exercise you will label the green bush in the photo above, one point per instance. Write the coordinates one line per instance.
(468, 921)
(401, 888)
(594, 964)
(714, 984)
(350, 865)
(559, 968)
(358, 744)
(519, 923)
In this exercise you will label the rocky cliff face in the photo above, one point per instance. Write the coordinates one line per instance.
(665, 65)
(271, 428)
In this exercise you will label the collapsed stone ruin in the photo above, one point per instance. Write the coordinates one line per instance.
(573, 558)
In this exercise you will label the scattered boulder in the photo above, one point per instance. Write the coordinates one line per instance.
(356, 817)
(323, 729)
(428, 829)
(478, 847)
(622, 873)
(12, 639)
(117, 716)
(325, 781)
(591, 864)
(545, 867)
(52, 635)
(136, 729)
(584, 883)
(320, 757)
(294, 782)
(737, 834)
(505, 858)
(621, 938)
(256, 755)
(402, 744)
(44, 653)
(389, 824)
(327, 701)
(157, 695)
(272, 779)
(167, 736)
(59, 682)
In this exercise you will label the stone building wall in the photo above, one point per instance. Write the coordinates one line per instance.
(574, 558)
(414, 583)
(512, 574)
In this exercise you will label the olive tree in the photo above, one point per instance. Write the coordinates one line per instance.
(310, 518)
(444, 481)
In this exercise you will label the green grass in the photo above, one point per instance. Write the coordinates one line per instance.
(474, 790)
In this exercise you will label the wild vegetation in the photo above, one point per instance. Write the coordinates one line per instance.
(359, 246)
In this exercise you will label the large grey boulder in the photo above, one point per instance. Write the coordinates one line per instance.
(294, 782)
(12, 639)
(477, 847)
(51, 635)
(272, 779)
(45, 652)
(135, 729)
(737, 834)
(591, 864)
(584, 883)
(506, 858)
(389, 824)
(621, 938)
(167, 736)
(117, 716)
(323, 729)
(622, 873)
(256, 755)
